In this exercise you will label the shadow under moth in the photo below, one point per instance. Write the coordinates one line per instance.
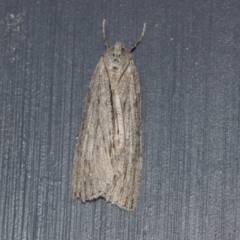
(108, 155)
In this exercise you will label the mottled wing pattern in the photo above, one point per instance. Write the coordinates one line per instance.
(91, 159)
(125, 191)
(108, 155)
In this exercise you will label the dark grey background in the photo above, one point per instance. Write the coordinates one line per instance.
(189, 68)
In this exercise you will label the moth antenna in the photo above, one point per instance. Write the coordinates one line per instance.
(140, 39)
(104, 35)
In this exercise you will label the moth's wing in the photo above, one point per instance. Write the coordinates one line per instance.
(92, 170)
(125, 191)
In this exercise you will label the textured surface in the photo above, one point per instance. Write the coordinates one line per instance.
(108, 156)
(189, 67)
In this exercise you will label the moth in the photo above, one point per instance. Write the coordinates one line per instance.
(108, 154)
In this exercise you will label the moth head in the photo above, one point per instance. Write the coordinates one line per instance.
(117, 57)
(117, 52)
